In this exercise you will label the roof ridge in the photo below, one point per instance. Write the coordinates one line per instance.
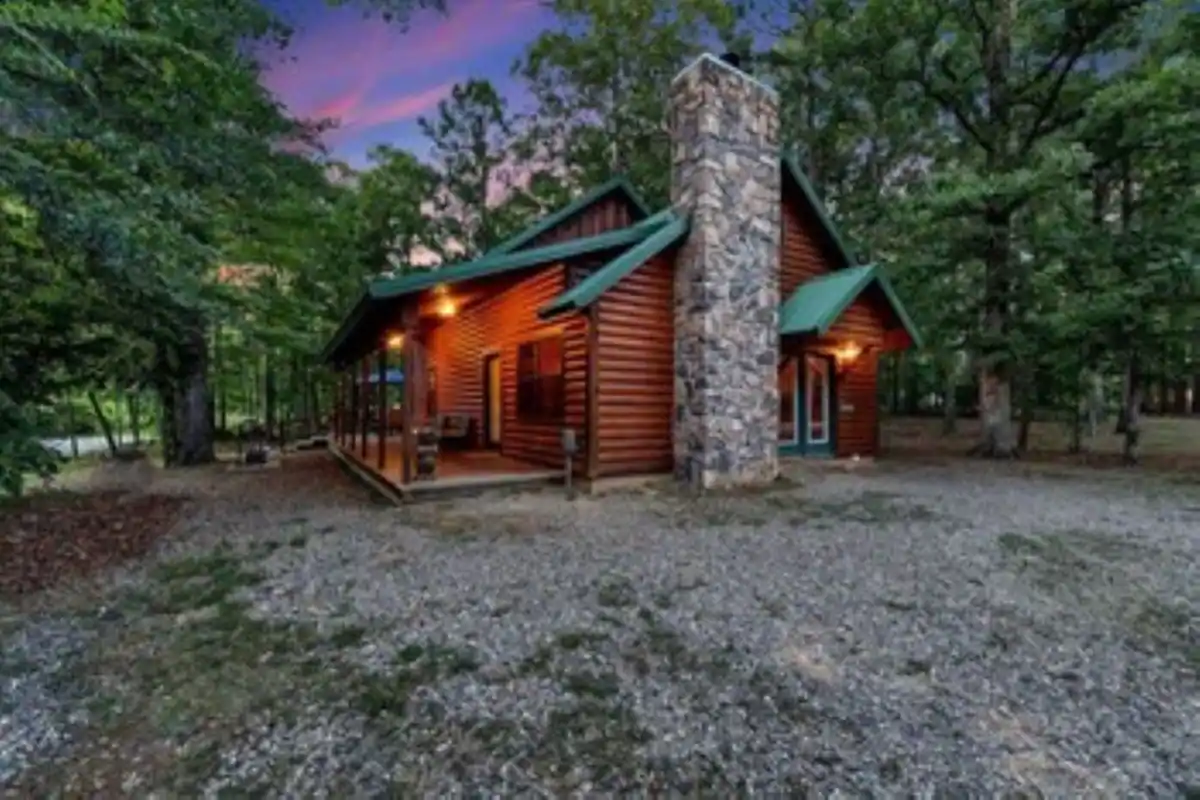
(574, 206)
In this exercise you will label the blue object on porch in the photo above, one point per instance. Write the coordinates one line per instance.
(393, 377)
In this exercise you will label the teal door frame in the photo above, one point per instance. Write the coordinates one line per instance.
(803, 444)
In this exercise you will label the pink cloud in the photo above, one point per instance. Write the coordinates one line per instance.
(394, 110)
(333, 71)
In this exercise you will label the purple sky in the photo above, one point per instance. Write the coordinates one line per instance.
(378, 79)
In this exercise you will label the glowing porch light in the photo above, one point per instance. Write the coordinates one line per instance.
(446, 307)
(395, 341)
(847, 354)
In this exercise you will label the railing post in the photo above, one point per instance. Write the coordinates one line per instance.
(381, 456)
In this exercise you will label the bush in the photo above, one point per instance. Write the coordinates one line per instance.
(21, 453)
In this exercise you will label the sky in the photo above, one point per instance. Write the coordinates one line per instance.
(378, 79)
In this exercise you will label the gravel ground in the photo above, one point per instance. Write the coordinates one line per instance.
(966, 631)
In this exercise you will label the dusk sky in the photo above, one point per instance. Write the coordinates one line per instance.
(377, 79)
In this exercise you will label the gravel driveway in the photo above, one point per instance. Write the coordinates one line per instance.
(967, 630)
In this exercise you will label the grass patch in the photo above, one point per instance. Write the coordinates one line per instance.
(616, 592)
(1172, 629)
(187, 667)
(417, 666)
(588, 683)
(789, 506)
(349, 636)
(1061, 560)
(448, 521)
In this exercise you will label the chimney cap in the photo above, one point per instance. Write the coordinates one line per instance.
(732, 59)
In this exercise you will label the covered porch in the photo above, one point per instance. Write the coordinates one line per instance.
(451, 385)
(832, 331)
(381, 459)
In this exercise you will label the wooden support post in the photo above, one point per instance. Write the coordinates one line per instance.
(381, 456)
(341, 402)
(409, 316)
(364, 391)
(335, 420)
(591, 414)
(352, 419)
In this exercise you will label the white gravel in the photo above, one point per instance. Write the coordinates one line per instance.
(965, 631)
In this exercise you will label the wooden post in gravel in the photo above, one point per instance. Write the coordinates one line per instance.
(408, 323)
(364, 391)
(352, 417)
(381, 456)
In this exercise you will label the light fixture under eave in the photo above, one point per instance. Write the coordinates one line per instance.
(395, 341)
(446, 307)
(847, 354)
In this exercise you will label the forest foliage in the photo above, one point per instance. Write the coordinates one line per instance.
(1027, 172)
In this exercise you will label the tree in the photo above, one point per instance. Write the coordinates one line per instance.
(1009, 86)
(394, 215)
(472, 137)
(600, 81)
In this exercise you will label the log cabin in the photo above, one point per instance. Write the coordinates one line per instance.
(706, 340)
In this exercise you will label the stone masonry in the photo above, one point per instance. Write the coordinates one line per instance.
(725, 172)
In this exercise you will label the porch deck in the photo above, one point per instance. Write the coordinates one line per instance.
(457, 470)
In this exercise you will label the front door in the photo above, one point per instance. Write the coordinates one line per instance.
(493, 401)
(816, 413)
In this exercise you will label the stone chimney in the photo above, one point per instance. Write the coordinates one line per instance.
(725, 172)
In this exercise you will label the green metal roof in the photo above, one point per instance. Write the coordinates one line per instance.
(499, 263)
(817, 304)
(618, 184)
(673, 228)
(489, 265)
(793, 168)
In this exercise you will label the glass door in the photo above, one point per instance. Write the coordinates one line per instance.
(789, 381)
(817, 396)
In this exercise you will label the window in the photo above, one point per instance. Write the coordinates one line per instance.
(787, 401)
(540, 380)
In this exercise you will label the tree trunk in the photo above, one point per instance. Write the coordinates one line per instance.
(995, 380)
(270, 399)
(1133, 411)
(995, 384)
(897, 360)
(186, 430)
(950, 397)
(105, 426)
(118, 419)
(133, 400)
(1179, 399)
(912, 388)
(72, 433)
(314, 404)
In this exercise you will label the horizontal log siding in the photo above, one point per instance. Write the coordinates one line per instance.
(802, 256)
(636, 380)
(609, 214)
(500, 323)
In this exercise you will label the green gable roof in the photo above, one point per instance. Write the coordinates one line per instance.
(672, 230)
(817, 304)
(618, 185)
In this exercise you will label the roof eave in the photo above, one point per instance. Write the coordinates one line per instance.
(668, 230)
(349, 323)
